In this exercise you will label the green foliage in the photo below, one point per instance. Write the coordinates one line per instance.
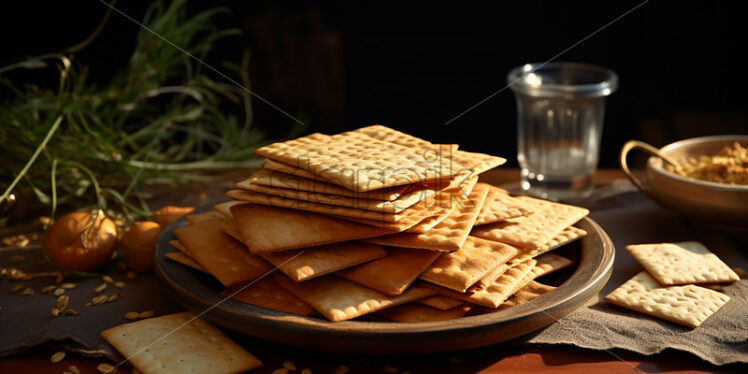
(159, 120)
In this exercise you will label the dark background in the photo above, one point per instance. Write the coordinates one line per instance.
(415, 66)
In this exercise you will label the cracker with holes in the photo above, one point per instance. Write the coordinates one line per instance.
(535, 230)
(688, 305)
(361, 163)
(682, 263)
(499, 206)
(339, 299)
(449, 235)
(179, 343)
(461, 269)
(549, 263)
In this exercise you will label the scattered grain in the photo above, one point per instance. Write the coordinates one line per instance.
(100, 288)
(57, 357)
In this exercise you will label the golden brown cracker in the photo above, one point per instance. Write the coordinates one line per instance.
(308, 263)
(530, 292)
(185, 260)
(547, 220)
(222, 256)
(271, 229)
(268, 294)
(415, 312)
(449, 235)
(179, 343)
(461, 269)
(549, 263)
(499, 206)
(441, 302)
(394, 273)
(339, 299)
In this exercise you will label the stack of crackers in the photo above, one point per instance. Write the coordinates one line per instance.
(375, 221)
(679, 284)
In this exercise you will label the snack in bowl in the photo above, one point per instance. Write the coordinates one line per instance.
(729, 166)
(375, 221)
(727, 204)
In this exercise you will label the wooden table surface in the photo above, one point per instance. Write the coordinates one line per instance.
(492, 359)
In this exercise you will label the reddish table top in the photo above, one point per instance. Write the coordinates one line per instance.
(494, 359)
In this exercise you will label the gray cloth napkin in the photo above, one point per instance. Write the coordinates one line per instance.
(630, 218)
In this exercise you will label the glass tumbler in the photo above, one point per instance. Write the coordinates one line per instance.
(560, 110)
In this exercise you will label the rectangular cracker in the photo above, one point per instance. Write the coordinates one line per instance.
(179, 343)
(276, 179)
(682, 263)
(449, 235)
(268, 294)
(461, 269)
(549, 263)
(404, 200)
(271, 229)
(687, 305)
(547, 220)
(415, 312)
(178, 245)
(499, 206)
(308, 263)
(230, 227)
(394, 273)
(185, 260)
(361, 163)
(221, 255)
(339, 299)
(495, 294)
(284, 202)
(530, 292)
(441, 302)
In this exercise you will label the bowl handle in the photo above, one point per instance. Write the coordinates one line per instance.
(635, 144)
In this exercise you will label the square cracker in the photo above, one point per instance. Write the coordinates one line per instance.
(268, 294)
(404, 200)
(547, 220)
(361, 163)
(270, 229)
(490, 277)
(339, 299)
(276, 179)
(530, 292)
(549, 263)
(567, 236)
(499, 206)
(449, 235)
(441, 302)
(414, 313)
(477, 162)
(179, 343)
(495, 294)
(310, 206)
(461, 269)
(687, 305)
(309, 263)
(682, 263)
(224, 257)
(393, 273)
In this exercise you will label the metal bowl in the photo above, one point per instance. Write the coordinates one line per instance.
(716, 205)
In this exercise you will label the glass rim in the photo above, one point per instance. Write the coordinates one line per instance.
(518, 81)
